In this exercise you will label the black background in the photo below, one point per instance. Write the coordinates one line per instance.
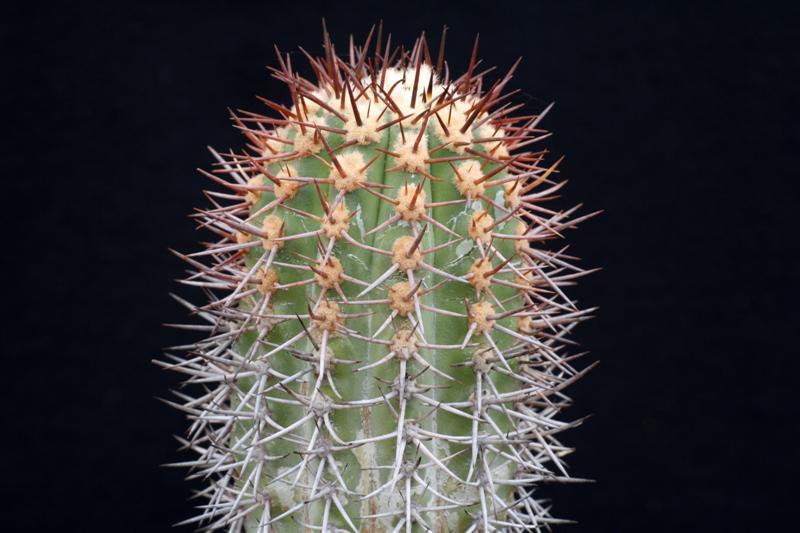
(678, 120)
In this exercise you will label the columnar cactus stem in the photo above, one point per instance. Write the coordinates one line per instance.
(386, 332)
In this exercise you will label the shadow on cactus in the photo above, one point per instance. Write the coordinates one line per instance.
(386, 333)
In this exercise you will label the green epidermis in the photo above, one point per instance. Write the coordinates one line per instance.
(358, 466)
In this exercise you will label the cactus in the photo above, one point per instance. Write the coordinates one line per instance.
(386, 331)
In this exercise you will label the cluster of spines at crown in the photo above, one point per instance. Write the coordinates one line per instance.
(386, 333)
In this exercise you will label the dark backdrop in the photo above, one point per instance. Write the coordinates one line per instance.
(679, 121)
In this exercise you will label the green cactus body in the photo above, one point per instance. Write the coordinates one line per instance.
(384, 346)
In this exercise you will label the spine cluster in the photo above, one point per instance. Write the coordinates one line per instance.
(386, 333)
